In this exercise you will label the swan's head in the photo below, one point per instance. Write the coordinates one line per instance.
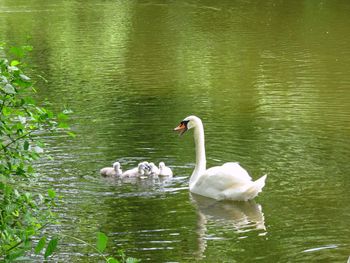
(188, 123)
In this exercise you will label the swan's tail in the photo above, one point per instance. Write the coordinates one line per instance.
(255, 188)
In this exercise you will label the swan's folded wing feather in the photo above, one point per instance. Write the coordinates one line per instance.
(237, 170)
(224, 177)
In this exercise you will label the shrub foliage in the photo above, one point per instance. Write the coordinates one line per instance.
(23, 210)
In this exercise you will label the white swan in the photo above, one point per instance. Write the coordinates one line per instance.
(165, 171)
(229, 181)
(135, 172)
(112, 171)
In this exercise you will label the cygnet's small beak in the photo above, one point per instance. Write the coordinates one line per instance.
(181, 129)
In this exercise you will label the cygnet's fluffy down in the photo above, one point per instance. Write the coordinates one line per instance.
(153, 169)
(146, 168)
(137, 171)
(112, 171)
(165, 171)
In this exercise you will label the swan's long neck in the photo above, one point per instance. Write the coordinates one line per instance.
(200, 152)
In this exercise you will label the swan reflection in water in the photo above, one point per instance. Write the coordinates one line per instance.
(241, 216)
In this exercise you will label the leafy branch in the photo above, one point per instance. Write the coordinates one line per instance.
(23, 213)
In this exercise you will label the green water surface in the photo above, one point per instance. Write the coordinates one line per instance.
(271, 82)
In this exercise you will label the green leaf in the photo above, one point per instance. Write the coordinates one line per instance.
(20, 51)
(62, 117)
(26, 145)
(63, 125)
(51, 193)
(30, 169)
(112, 260)
(24, 77)
(29, 100)
(71, 134)
(101, 241)
(13, 68)
(3, 79)
(15, 62)
(9, 89)
(12, 256)
(51, 247)
(17, 51)
(40, 245)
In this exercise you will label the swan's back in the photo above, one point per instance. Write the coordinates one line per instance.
(229, 181)
(229, 173)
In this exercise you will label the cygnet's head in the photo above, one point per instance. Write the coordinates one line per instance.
(142, 165)
(145, 164)
(152, 166)
(146, 168)
(188, 123)
(141, 168)
(116, 165)
(161, 165)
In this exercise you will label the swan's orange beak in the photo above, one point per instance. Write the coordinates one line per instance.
(182, 128)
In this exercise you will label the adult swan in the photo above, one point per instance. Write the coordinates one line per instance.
(229, 181)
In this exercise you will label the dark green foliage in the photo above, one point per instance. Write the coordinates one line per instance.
(51, 247)
(40, 245)
(23, 213)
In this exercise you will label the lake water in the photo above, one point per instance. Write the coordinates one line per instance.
(271, 82)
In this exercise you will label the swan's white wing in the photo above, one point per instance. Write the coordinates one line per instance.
(228, 174)
(237, 170)
(229, 181)
(223, 177)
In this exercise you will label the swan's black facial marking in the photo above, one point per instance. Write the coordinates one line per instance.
(184, 123)
(182, 128)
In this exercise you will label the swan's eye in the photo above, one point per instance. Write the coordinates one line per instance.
(184, 123)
